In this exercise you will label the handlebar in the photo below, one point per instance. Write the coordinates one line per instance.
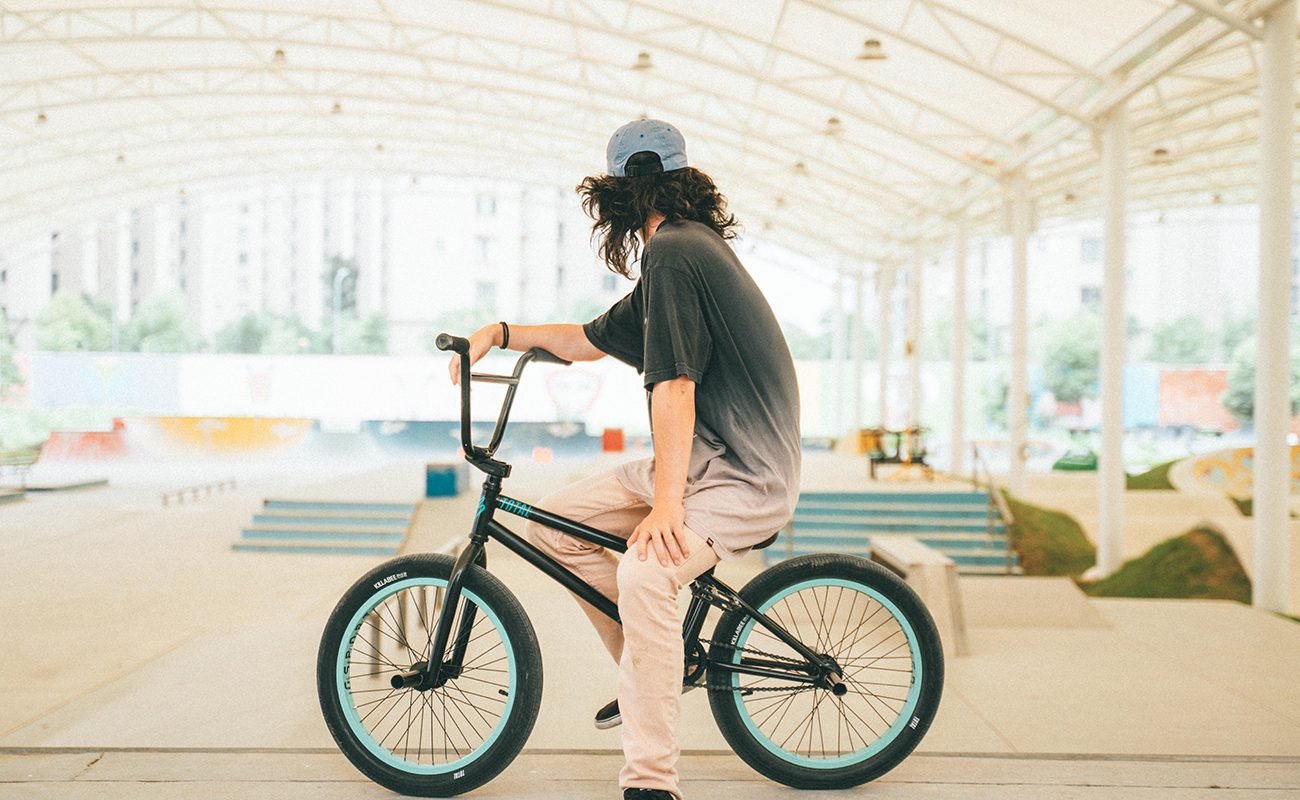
(474, 454)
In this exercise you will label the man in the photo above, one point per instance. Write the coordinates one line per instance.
(724, 417)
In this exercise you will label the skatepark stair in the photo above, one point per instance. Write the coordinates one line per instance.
(965, 526)
(327, 528)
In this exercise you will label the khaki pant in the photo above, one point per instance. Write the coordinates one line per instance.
(648, 645)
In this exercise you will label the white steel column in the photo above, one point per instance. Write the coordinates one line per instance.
(914, 342)
(857, 351)
(1110, 465)
(1272, 562)
(1017, 382)
(838, 416)
(957, 462)
(885, 292)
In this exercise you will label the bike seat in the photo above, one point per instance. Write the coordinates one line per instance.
(768, 542)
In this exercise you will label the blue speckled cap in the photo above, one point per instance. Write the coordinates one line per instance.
(645, 135)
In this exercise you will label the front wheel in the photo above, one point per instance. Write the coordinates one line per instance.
(887, 651)
(441, 741)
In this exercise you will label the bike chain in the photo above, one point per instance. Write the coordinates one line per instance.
(753, 689)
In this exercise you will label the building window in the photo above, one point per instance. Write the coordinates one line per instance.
(183, 227)
(243, 258)
(486, 247)
(54, 282)
(485, 205)
(4, 275)
(135, 247)
(1090, 296)
(1090, 250)
(611, 282)
(135, 277)
(182, 255)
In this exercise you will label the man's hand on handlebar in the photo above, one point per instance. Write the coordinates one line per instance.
(480, 342)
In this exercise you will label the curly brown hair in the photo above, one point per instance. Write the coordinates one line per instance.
(622, 206)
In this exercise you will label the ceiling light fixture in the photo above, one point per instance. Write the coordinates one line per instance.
(1160, 155)
(643, 62)
(834, 127)
(872, 50)
(278, 56)
(337, 109)
(41, 119)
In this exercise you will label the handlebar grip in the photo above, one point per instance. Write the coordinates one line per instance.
(446, 341)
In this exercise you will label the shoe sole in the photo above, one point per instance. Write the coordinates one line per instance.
(615, 721)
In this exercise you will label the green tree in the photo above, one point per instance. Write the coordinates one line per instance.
(1184, 340)
(161, 324)
(1239, 399)
(243, 335)
(1071, 357)
(10, 375)
(288, 335)
(1235, 330)
(265, 332)
(74, 322)
(366, 335)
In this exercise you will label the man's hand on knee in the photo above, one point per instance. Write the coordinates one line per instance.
(663, 529)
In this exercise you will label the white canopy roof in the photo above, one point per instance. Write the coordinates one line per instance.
(106, 104)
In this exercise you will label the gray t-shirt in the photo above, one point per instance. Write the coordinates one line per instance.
(695, 311)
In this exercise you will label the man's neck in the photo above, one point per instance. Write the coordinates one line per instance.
(651, 226)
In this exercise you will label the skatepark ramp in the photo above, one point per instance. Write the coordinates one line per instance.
(963, 525)
(323, 527)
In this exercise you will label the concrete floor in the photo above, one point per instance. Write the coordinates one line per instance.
(142, 658)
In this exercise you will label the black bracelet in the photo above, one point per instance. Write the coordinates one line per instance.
(505, 335)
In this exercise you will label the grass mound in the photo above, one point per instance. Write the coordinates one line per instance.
(1154, 479)
(1049, 542)
(1198, 564)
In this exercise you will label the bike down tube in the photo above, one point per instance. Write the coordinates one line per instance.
(553, 569)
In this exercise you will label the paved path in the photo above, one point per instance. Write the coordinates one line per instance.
(580, 775)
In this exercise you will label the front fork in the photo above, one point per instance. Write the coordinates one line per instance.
(435, 672)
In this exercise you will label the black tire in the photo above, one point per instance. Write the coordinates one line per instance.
(394, 598)
(742, 717)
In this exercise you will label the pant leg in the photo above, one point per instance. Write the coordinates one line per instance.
(602, 502)
(650, 672)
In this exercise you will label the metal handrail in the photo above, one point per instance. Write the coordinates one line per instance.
(982, 476)
(207, 489)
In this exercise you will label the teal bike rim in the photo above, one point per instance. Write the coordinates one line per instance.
(905, 715)
(348, 703)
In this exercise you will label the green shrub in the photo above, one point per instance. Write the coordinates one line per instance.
(1049, 542)
(1154, 479)
(1198, 564)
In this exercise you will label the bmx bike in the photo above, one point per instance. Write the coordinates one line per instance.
(824, 671)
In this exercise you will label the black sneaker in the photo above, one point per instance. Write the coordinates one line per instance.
(608, 717)
(646, 794)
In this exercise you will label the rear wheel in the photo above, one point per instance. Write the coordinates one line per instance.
(885, 646)
(442, 741)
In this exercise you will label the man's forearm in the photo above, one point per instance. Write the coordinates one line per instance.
(672, 410)
(564, 340)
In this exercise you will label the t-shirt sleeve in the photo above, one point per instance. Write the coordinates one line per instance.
(618, 331)
(677, 340)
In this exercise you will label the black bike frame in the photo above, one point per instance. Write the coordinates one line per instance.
(706, 590)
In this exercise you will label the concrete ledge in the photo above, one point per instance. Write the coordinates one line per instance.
(933, 576)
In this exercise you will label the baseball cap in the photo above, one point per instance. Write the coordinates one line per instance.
(645, 135)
